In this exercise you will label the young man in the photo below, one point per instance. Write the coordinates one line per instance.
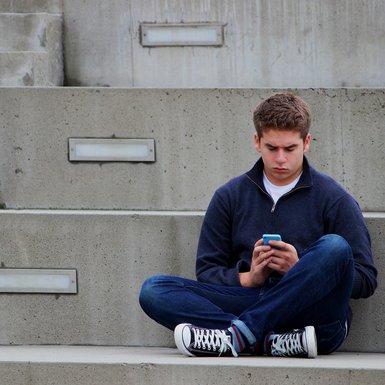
(291, 296)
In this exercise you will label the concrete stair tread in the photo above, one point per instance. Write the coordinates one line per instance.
(170, 356)
(116, 365)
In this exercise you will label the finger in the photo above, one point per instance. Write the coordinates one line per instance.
(275, 266)
(260, 249)
(257, 260)
(259, 243)
(278, 244)
(263, 258)
(280, 265)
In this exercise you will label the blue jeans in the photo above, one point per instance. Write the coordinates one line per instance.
(316, 291)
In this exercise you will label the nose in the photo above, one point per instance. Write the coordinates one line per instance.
(280, 156)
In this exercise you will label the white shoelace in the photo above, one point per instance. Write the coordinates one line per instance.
(211, 339)
(288, 345)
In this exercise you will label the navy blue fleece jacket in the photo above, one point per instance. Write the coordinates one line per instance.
(241, 211)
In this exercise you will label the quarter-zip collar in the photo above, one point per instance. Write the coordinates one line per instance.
(256, 175)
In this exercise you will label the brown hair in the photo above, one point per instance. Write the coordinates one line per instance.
(283, 111)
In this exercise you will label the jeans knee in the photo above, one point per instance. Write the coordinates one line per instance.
(156, 299)
(336, 243)
(337, 248)
(155, 292)
(147, 292)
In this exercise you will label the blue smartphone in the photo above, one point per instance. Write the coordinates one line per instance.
(270, 237)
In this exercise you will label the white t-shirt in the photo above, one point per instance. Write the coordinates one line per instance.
(277, 191)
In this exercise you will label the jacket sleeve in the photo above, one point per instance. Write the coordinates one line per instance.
(215, 261)
(346, 219)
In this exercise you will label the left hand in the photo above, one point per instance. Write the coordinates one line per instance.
(283, 258)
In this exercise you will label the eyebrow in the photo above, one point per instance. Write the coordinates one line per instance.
(289, 147)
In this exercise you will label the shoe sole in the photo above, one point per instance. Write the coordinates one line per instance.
(179, 341)
(311, 340)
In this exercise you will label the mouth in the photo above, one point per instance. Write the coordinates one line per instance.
(280, 170)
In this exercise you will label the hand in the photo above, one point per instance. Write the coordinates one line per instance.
(259, 269)
(282, 257)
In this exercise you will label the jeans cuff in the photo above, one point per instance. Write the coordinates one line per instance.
(241, 326)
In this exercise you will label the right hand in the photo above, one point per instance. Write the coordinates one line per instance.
(259, 269)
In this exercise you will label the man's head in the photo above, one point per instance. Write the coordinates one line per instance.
(282, 137)
(282, 111)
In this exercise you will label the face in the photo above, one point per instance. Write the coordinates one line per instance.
(282, 154)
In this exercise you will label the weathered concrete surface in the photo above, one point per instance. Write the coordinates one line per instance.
(46, 365)
(37, 32)
(113, 252)
(276, 43)
(28, 6)
(368, 313)
(203, 138)
(27, 69)
(23, 69)
(31, 51)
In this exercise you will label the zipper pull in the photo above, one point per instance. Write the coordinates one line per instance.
(273, 208)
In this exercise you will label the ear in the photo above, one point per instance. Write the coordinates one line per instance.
(307, 143)
(257, 143)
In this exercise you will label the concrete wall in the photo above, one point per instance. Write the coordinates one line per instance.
(276, 43)
(203, 138)
(113, 253)
(31, 49)
(31, 6)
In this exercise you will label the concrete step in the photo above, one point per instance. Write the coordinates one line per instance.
(31, 51)
(114, 252)
(203, 137)
(86, 365)
(293, 43)
(29, 31)
(24, 69)
(28, 6)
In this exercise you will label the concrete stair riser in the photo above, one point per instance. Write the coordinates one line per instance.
(28, 6)
(114, 252)
(26, 69)
(31, 51)
(203, 137)
(297, 43)
(36, 32)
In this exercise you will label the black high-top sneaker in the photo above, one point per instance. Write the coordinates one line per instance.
(295, 343)
(195, 341)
